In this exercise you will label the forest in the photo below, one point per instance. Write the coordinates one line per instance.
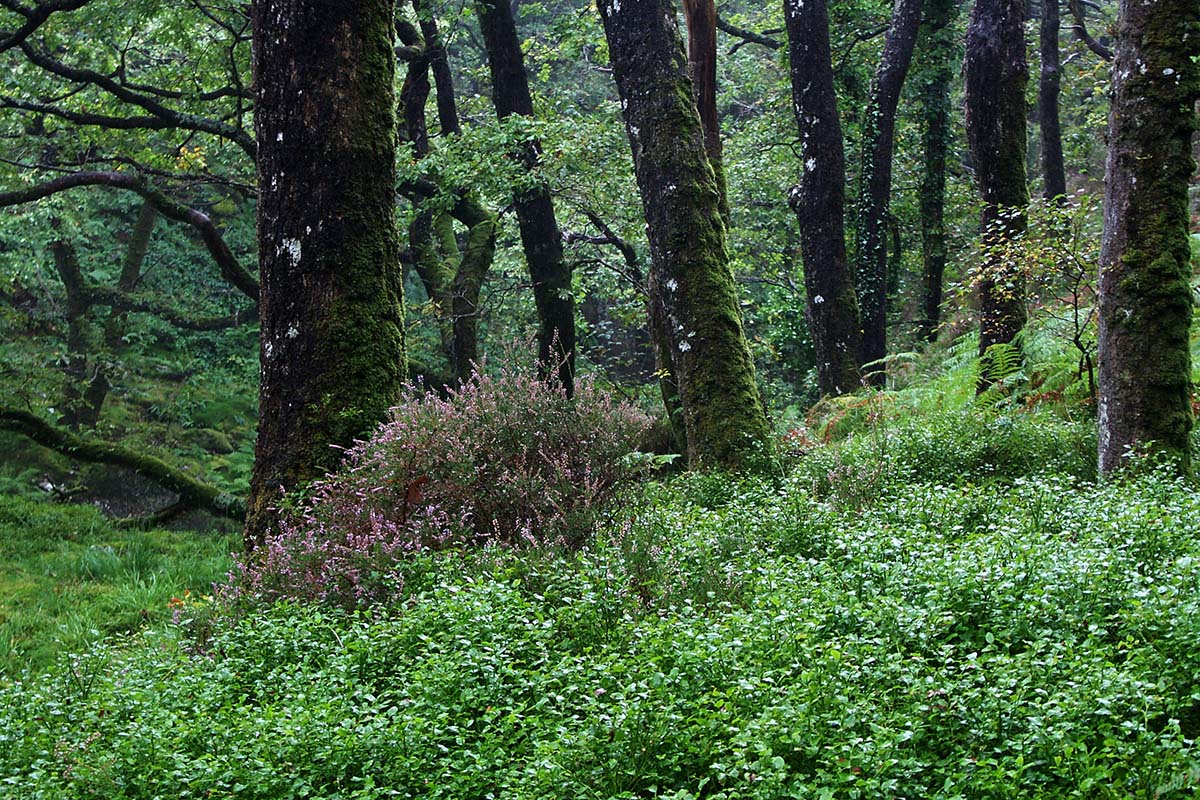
(599, 398)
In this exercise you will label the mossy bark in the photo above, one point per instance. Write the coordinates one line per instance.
(84, 384)
(454, 277)
(452, 274)
(875, 185)
(937, 53)
(1145, 267)
(549, 272)
(333, 359)
(996, 73)
(819, 201)
(692, 293)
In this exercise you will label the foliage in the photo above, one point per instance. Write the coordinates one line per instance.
(1031, 637)
(504, 460)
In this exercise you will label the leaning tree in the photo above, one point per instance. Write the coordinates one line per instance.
(693, 298)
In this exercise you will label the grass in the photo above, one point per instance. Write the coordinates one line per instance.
(68, 579)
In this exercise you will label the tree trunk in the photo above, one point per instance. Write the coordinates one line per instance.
(938, 48)
(995, 74)
(131, 270)
(819, 201)
(693, 298)
(84, 385)
(332, 352)
(453, 276)
(1053, 170)
(549, 272)
(439, 64)
(1145, 266)
(701, 16)
(875, 185)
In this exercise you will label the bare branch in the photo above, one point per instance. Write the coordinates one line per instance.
(1081, 31)
(747, 36)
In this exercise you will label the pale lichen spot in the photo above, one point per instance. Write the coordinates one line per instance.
(294, 249)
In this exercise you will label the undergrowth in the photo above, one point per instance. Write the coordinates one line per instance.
(985, 622)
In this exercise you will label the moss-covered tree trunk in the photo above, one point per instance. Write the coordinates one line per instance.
(548, 270)
(1145, 267)
(996, 73)
(1054, 174)
(332, 350)
(452, 275)
(819, 200)
(937, 50)
(692, 293)
(131, 270)
(875, 184)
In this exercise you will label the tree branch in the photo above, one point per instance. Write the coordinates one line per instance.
(34, 18)
(1081, 31)
(121, 301)
(192, 492)
(172, 209)
(747, 36)
(178, 119)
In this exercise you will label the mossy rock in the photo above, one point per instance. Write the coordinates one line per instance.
(210, 440)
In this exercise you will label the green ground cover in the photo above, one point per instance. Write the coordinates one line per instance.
(945, 607)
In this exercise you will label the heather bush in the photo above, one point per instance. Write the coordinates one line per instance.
(505, 460)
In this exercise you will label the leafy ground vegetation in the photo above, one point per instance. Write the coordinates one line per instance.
(943, 604)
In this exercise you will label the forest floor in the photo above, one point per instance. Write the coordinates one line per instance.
(947, 606)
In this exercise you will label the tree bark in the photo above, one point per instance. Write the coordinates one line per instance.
(549, 272)
(938, 48)
(1053, 170)
(454, 278)
(439, 64)
(333, 359)
(995, 73)
(692, 294)
(875, 185)
(1145, 261)
(701, 16)
(819, 201)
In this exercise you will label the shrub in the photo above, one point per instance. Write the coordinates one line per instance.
(505, 460)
